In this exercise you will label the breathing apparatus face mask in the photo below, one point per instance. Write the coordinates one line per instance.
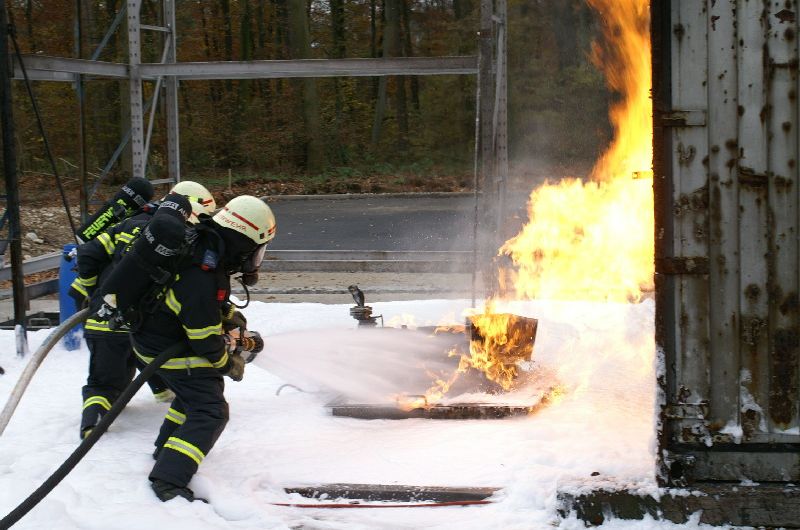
(252, 264)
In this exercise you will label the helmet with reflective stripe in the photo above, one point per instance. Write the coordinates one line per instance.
(200, 198)
(249, 216)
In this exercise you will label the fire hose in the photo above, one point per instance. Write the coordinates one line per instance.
(36, 360)
(72, 460)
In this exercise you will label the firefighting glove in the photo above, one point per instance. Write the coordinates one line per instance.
(232, 319)
(235, 367)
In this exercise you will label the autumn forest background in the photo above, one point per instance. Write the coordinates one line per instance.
(335, 135)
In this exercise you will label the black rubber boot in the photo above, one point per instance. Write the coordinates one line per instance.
(166, 491)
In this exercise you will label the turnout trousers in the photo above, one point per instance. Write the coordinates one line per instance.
(193, 423)
(112, 366)
(111, 369)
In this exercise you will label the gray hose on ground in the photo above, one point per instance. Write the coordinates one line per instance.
(36, 360)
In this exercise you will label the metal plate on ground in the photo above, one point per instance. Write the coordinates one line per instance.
(534, 398)
(454, 411)
(393, 492)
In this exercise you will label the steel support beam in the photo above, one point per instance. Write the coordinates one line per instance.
(154, 102)
(464, 65)
(486, 247)
(12, 187)
(80, 93)
(171, 97)
(135, 81)
(500, 123)
(44, 68)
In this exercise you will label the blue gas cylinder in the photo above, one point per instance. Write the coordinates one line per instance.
(68, 271)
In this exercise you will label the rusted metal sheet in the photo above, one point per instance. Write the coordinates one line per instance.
(727, 232)
(682, 265)
(771, 506)
(753, 242)
(682, 118)
(665, 323)
(690, 199)
(782, 261)
(723, 244)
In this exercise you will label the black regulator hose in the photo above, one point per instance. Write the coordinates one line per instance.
(72, 460)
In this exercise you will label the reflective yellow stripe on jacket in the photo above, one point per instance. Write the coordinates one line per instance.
(182, 363)
(101, 325)
(191, 333)
(105, 240)
(125, 237)
(81, 284)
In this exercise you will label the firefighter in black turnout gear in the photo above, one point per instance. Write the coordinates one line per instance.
(196, 312)
(112, 363)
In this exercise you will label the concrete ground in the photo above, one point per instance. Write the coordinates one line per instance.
(393, 222)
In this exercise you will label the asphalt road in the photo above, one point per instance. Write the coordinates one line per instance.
(407, 222)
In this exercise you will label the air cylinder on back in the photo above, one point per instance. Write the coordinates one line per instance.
(132, 196)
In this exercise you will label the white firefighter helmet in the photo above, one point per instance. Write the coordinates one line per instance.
(200, 198)
(250, 216)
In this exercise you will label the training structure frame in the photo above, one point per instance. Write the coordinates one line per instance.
(489, 66)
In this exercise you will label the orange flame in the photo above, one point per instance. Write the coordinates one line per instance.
(498, 343)
(594, 240)
(624, 58)
(441, 385)
(585, 240)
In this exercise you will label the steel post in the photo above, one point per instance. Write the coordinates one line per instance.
(135, 82)
(487, 228)
(10, 171)
(80, 95)
(500, 123)
(171, 97)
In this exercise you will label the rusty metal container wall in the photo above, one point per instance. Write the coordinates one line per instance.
(753, 239)
(690, 210)
(723, 230)
(782, 177)
(726, 147)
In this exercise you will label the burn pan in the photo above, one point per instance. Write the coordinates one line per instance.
(456, 411)
(450, 411)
